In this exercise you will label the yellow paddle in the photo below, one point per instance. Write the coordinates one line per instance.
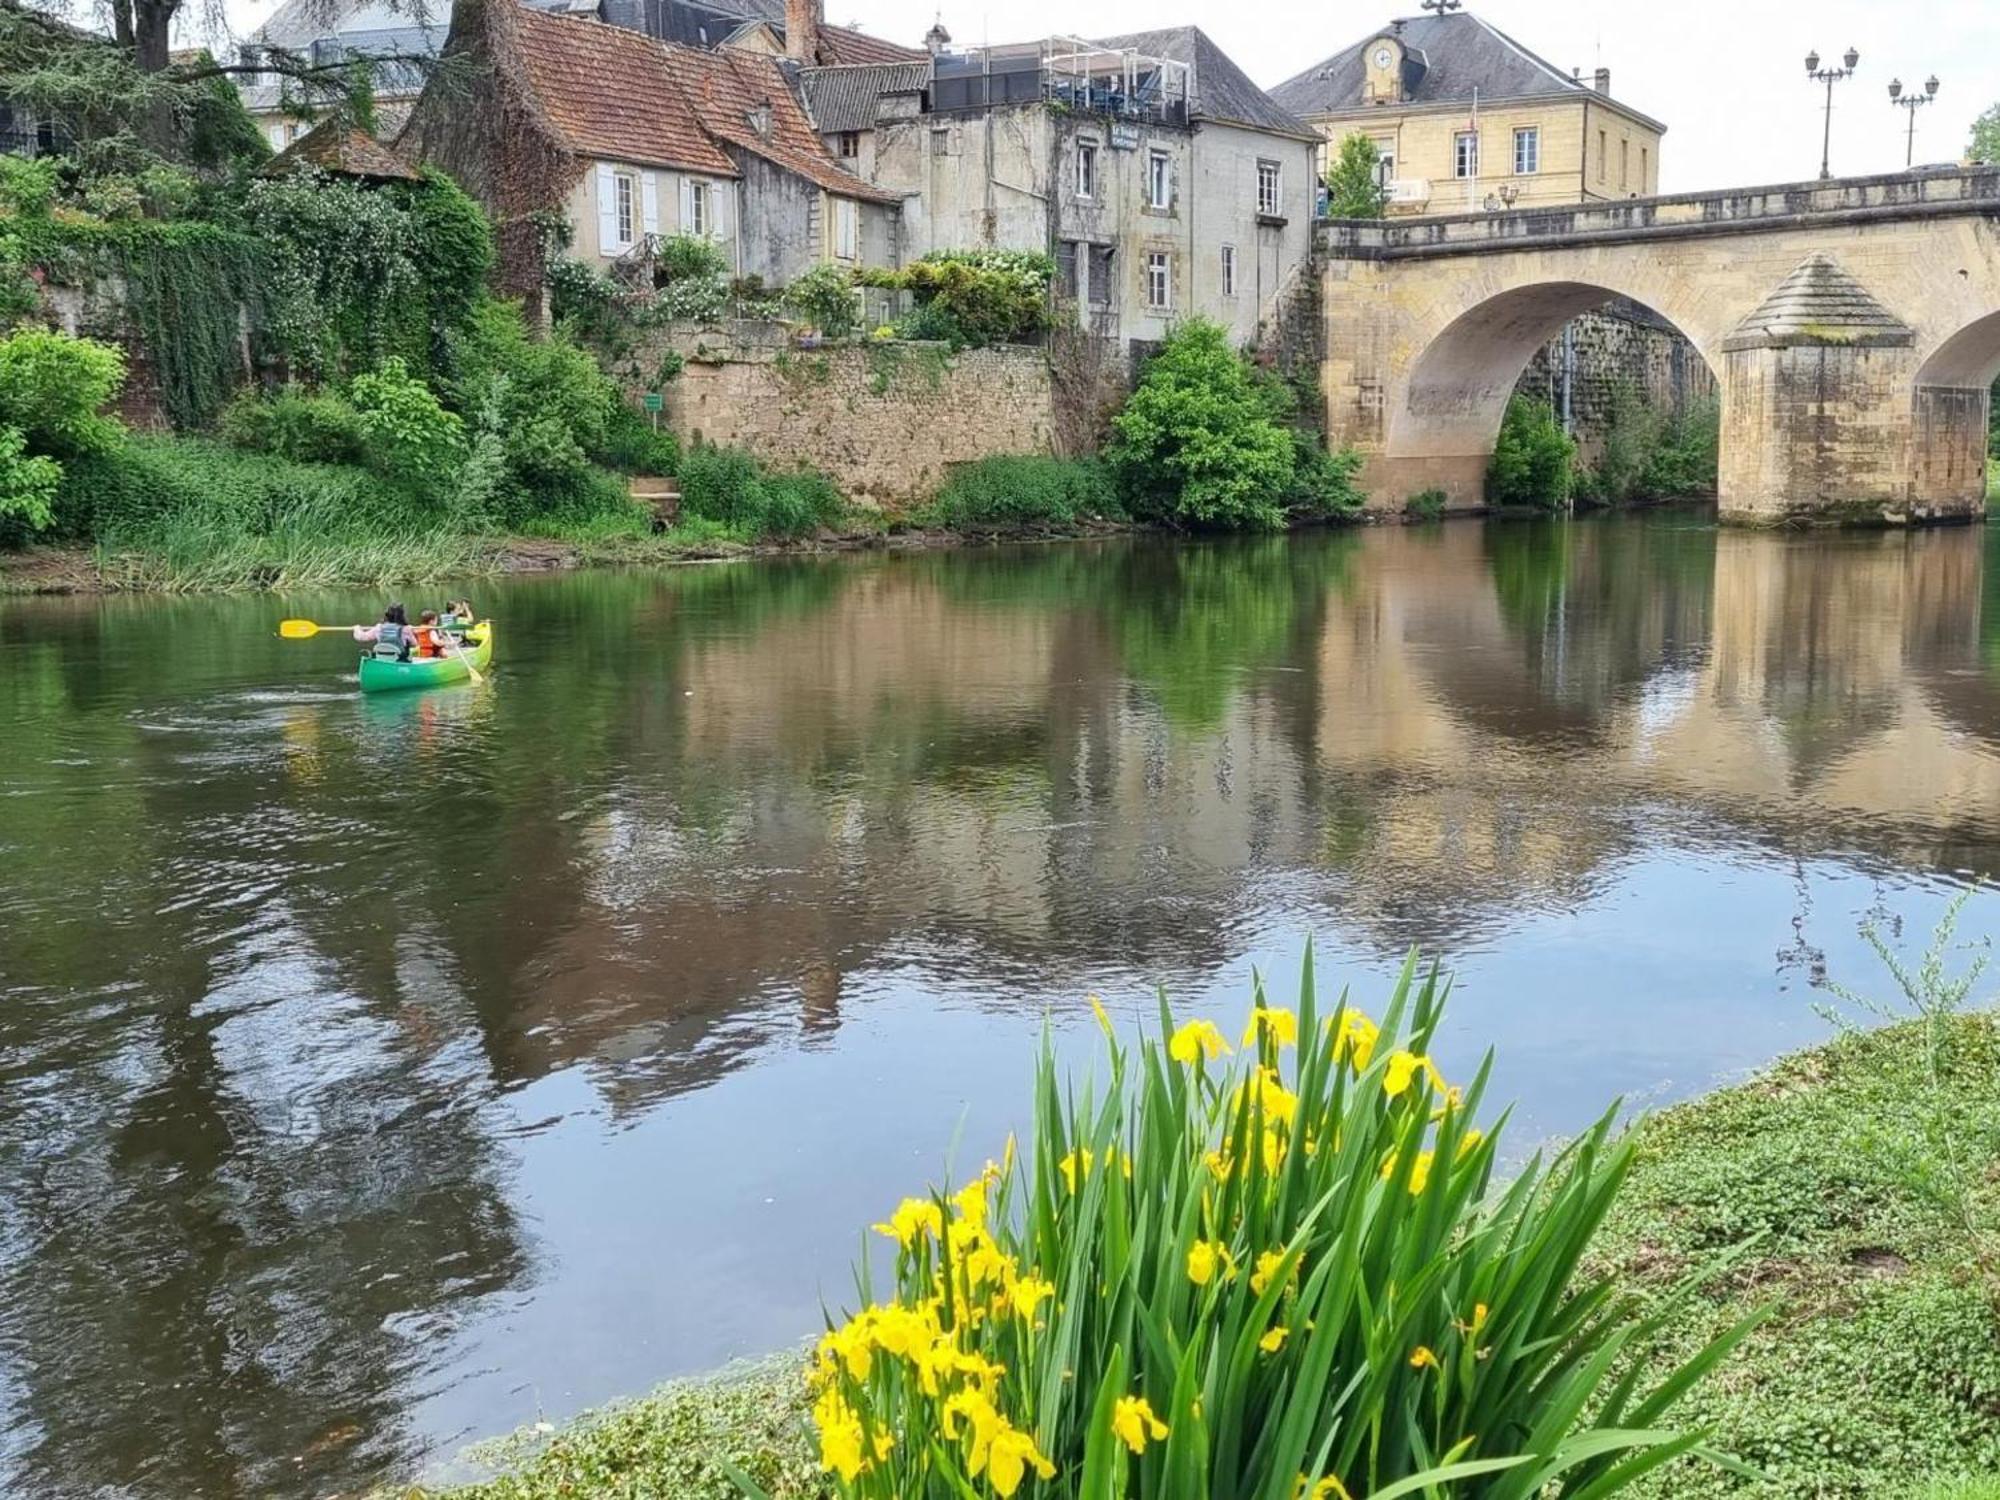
(452, 646)
(305, 630)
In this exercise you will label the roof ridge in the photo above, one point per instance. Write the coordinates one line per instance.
(1565, 79)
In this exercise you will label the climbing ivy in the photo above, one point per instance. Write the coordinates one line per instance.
(185, 285)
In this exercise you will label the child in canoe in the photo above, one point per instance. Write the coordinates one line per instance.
(392, 635)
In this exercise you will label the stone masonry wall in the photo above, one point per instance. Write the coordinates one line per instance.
(1619, 345)
(887, 421)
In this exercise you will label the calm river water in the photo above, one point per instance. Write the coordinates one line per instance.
(376, 1075)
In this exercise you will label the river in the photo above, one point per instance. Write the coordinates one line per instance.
(381, 1074)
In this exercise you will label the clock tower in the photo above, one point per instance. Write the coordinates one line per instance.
(1382, 82)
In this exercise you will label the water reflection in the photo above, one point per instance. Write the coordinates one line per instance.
(383, 1071)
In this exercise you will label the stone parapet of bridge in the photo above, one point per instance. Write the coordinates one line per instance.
(1853, 325)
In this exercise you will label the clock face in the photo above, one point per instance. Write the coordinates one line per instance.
(1383, 57)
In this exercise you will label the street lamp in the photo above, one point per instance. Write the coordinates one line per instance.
(1912, 104)
(1829, 77)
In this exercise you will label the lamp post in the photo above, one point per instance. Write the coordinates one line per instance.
(1829, 77)
(1911, 105)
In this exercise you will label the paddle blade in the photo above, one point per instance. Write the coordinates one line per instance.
(297, 630)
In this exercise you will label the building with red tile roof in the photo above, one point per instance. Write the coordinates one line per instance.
(632, 140)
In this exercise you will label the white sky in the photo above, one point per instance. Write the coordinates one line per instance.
(1727, 76)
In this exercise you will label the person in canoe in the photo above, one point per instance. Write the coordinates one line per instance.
(391, 636)
(429, 641)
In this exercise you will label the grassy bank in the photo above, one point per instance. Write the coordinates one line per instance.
(1878, 1374)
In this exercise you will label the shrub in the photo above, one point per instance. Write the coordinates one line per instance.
(52, 389)
(1291, 1273)
(1024, 490)
(975, 297)
(27, 486)
(631, 445)
(824, 297)
(1685, 456)
(681, 256)
(1534, 460)
(730, 488)
(1426, 505)
(544, 401)
(410, 436)
(1196, 443)
(294, 423)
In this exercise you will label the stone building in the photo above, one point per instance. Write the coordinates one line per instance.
(1465, 116)
(632, 140)
(1162, 181)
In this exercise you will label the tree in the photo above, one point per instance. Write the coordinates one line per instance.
(1986, 136)
(1354, 188)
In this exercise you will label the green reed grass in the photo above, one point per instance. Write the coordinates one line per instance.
(1101, 1314)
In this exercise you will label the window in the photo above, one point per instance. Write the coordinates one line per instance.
(1098, 292)
(1066, 281)
(1645, 170)
(940, 143)
(1159, 180)
(1270, 194)
(1229, 270)
(1527, 151)
(1624, 165)
(701, 211)
(625, 207)
(1159, 279)
(850, 144)
(846, 229)
(1602, 156)
(1385, 152)
(1086, 169)
(1465, 154)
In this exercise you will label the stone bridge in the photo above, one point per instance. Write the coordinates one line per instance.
(1854, 327)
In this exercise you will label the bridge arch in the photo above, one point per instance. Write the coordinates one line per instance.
(1950, 410)
(1459, 382)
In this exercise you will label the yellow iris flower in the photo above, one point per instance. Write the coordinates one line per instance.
(1134, 1424)
(1205, 1258)
(1197, 1041)
(1273, 1341)
(1282, 1026)
(913, 1217)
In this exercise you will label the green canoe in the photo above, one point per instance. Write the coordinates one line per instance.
(379, 675)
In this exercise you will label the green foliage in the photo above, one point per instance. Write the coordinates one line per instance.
(410, 436)
(361, 273)
(28, 486)
(730, 488)
(972, 298)
(681, 257)
(1353, 188)
(1196, 444)
(1426, 505)
(1023, 490)
(296, 424)
(1245, 1277)
(27, 186)
(53, 389)
(632, 446)
(130, 495)
(824, 298)
(1985, 142)
(1534, 460)
(543, 406)
(1649, 454)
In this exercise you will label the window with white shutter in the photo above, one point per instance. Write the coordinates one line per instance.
(607, 212)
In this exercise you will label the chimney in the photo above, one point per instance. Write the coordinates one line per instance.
(802, 22)
(1601, 81)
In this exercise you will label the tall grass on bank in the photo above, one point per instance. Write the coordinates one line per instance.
(1276, 1272)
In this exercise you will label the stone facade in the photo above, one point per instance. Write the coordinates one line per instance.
(886, 421)
(1619, 347)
